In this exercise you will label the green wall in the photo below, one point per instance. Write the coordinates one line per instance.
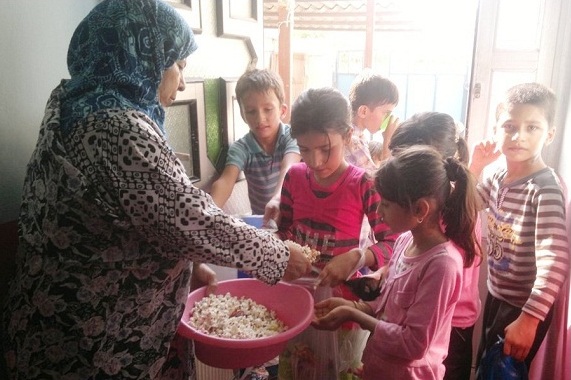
(212, 105)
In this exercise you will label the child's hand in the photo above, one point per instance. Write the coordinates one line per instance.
(271, 214)
(340, 268)
(391, 128)
(519, 336)
(331, 313)
(325, 306)
(484, 154)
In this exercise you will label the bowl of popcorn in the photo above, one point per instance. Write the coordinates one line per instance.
(246, 322)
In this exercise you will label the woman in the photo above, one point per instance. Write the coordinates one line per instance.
(110, 223)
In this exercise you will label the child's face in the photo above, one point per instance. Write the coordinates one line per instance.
(374, 117)
(323, 153)
(398, 218)
(522, 132)
(263, 112)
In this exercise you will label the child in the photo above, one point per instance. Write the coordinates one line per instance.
(373, 98)
(267, 151)
(324, 200)
(410, 321)
(440, 131)
(376, 150)
(527, 242)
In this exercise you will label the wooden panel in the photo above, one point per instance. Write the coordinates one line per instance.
(238, 19)
(192, 10)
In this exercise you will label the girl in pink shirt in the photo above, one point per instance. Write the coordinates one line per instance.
(410, 321)
(323, 202)
(440, 131)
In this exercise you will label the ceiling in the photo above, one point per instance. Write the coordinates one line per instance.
(348, 15)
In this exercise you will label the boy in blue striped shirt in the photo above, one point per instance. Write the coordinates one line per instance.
(266, 152)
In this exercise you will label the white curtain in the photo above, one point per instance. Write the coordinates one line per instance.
(553, 361)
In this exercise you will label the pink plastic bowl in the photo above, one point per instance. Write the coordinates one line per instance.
(292, 304)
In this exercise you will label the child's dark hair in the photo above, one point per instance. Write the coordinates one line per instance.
(259, 80)
(420, 171)
(372, 90)
(535, 94)
(436, 129)
(321, 110)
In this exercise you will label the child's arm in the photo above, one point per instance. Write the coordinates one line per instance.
(483, 154)
(223, 186)
(387, 135)
(341, 267)
(552, 269)
(378, 254)
(286, 211)
(272, 210)
(333, 312)
(519, 336)
(421, 311)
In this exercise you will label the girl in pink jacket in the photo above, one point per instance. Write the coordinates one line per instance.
(410, 321)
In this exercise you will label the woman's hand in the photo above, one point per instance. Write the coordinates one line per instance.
(298, 265)
(331, 313)
(203, 275)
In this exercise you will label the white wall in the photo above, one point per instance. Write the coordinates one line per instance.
(33, 47)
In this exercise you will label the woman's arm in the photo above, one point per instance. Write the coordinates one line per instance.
(150, 193)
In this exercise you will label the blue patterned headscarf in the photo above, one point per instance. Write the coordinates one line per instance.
(117, 56)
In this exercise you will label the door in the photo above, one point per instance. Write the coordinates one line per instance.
(515, 43)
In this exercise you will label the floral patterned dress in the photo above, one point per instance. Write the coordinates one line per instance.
(109, 226)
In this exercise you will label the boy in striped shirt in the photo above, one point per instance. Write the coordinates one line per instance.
(528, 253)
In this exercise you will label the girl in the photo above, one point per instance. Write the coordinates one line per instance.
(410, 321)
(324, 200)
(440, 131)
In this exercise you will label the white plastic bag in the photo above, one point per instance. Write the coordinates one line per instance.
(313, 354)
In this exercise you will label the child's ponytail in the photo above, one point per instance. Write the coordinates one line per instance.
(460, 211)
(420, 171)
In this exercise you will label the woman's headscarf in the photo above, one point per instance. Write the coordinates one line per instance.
(117, 56)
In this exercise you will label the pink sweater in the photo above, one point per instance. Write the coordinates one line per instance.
(415, 312)
(469, 305)
(329, 218)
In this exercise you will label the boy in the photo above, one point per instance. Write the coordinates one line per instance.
(527, 242)
(373, 98)
(267, 151)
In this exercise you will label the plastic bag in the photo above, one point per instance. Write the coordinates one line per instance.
(497, 366)
(313, 354)
(351, 345)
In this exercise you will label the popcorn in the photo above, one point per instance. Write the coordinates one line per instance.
(310, 253)
(226, 316)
